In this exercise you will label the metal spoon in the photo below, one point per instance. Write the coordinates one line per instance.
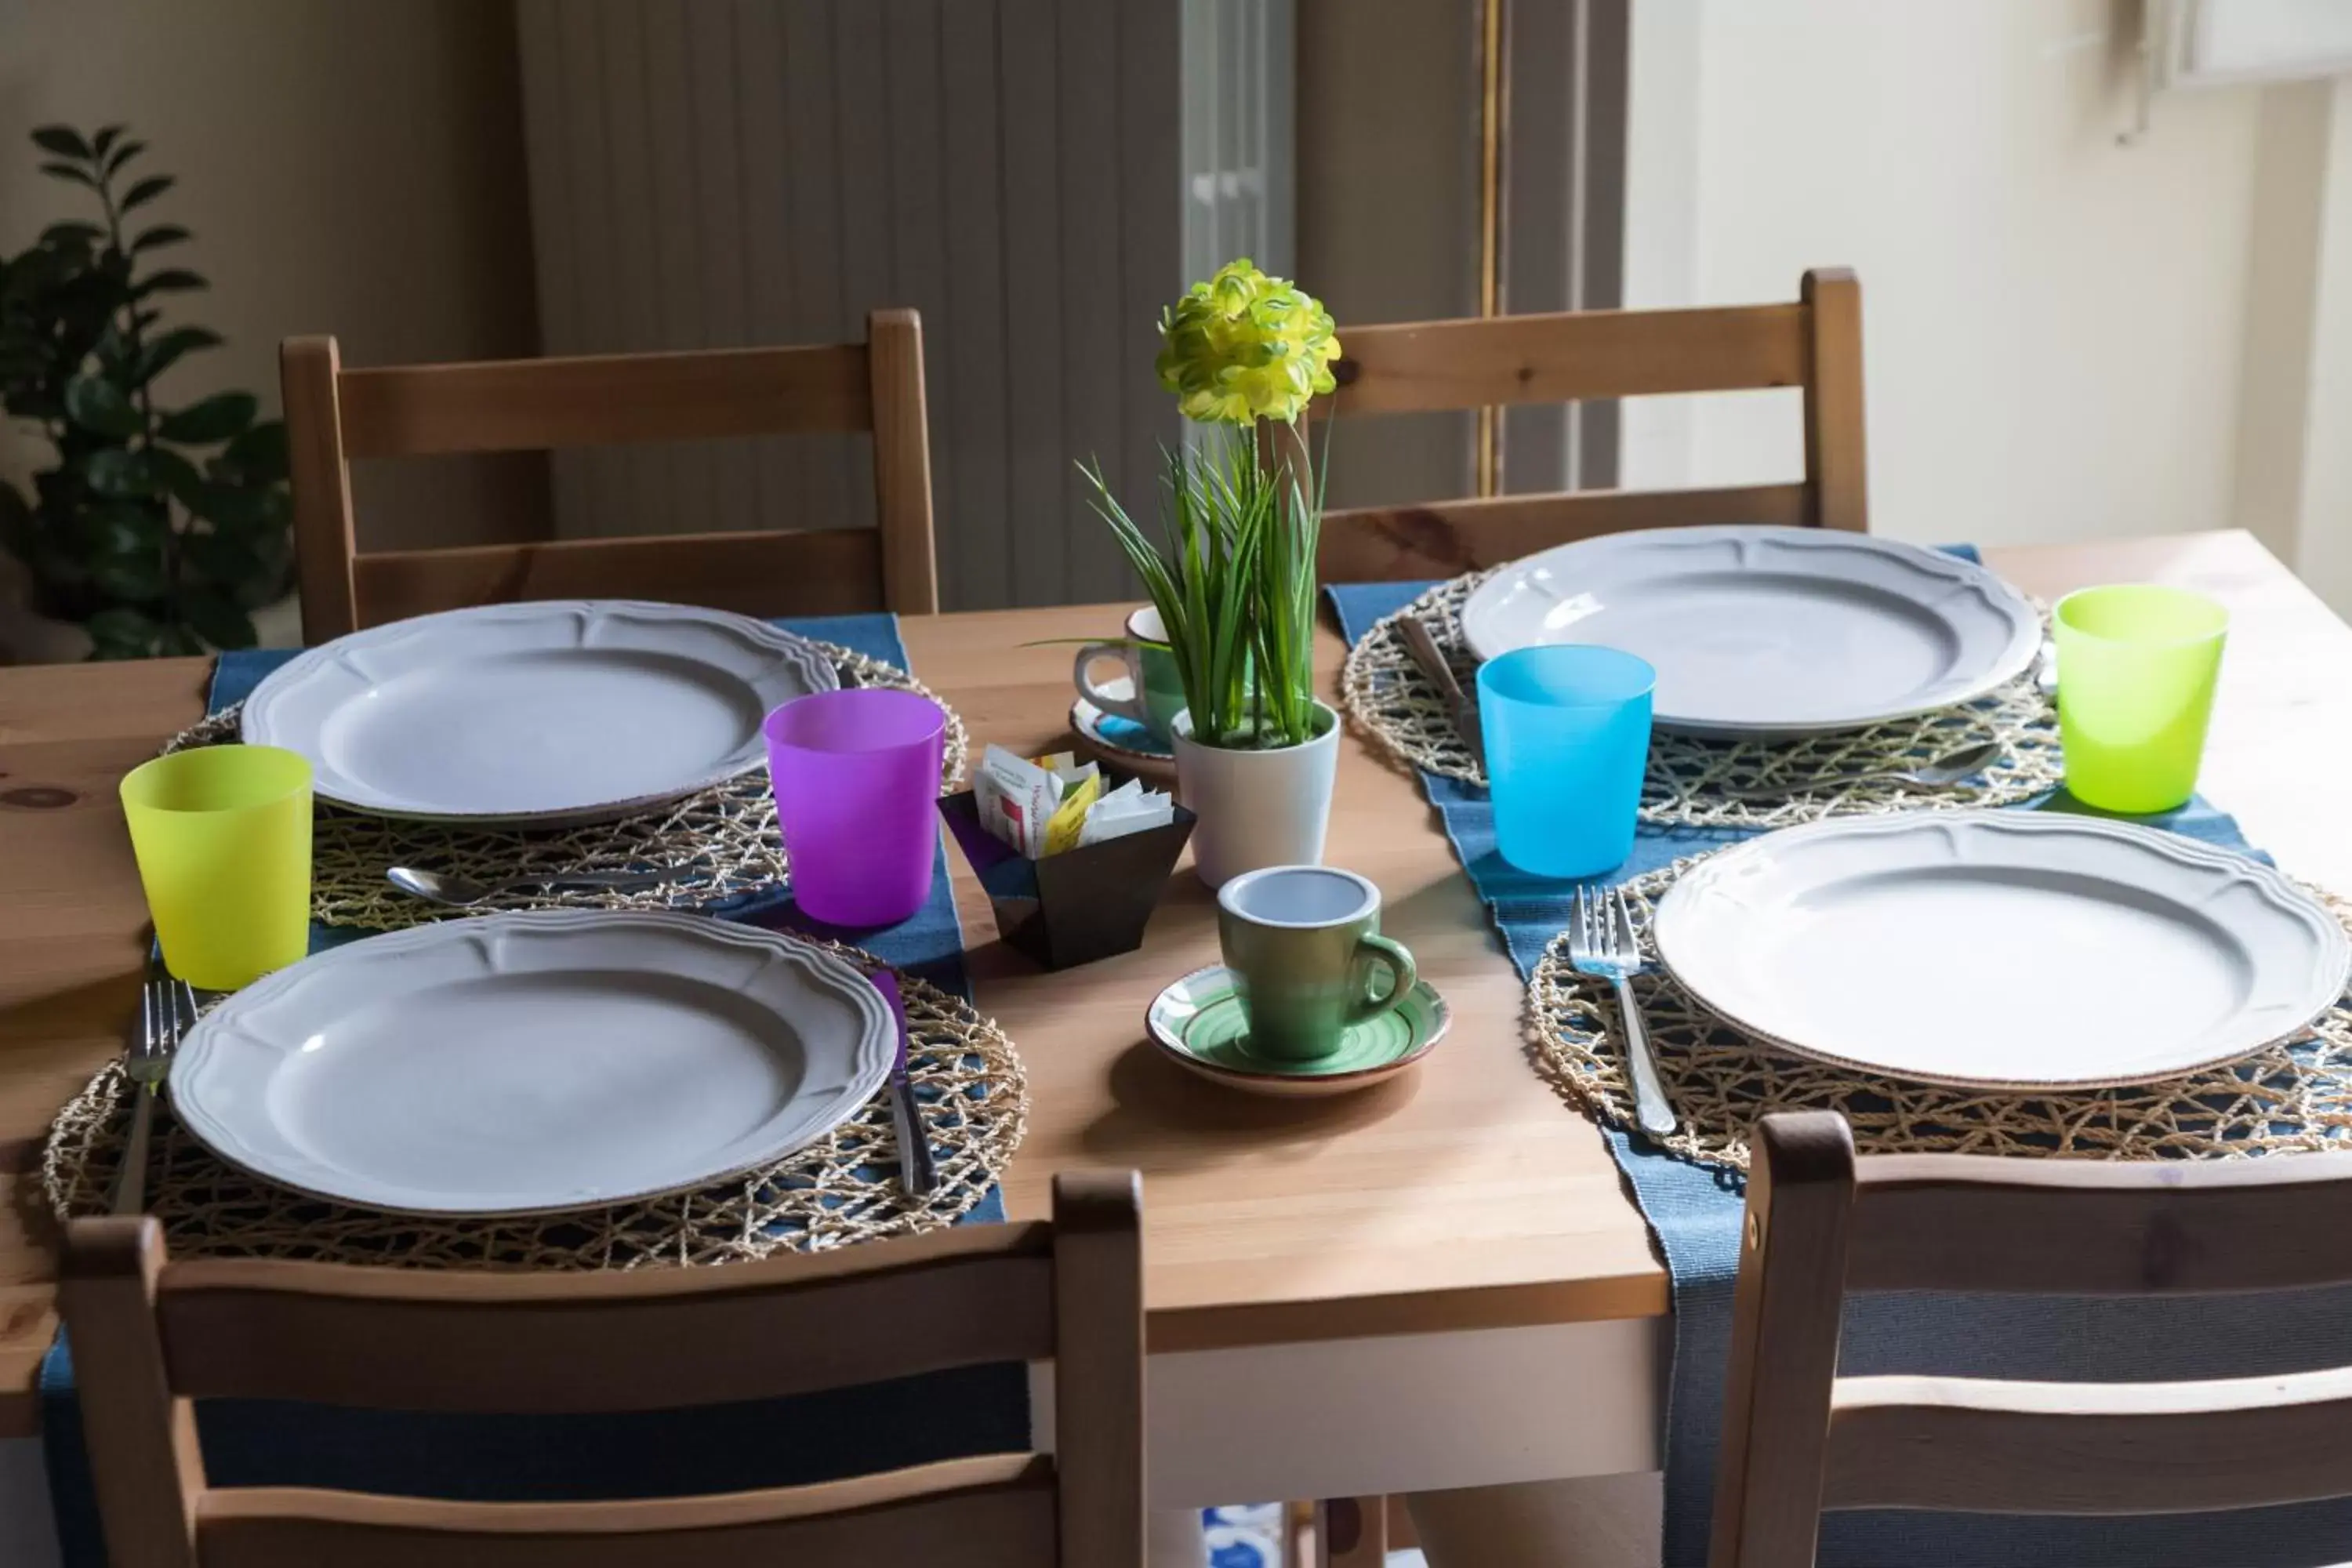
(1947, 769)
(463, 893)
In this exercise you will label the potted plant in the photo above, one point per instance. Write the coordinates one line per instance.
(1234, 573)
(152, 530)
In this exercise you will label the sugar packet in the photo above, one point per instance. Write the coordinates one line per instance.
(1129, 808)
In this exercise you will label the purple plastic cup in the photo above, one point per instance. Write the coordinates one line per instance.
(856, 776)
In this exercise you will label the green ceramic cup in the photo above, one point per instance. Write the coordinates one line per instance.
(1155, 695)
(1304, 949)
(2136, 667)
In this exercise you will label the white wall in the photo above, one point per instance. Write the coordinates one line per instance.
(2052, 321)
(353, 168)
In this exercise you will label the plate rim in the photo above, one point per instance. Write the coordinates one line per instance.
(2178, 847)
(1355, 1078)
(254, 719)
(872, 1054)
(2024, 645)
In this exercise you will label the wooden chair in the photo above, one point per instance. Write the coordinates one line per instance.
(1799, 1439)
(149, 1335)
(1814, 342)
(334, 414)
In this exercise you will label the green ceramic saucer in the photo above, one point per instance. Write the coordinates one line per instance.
(1197, 1024)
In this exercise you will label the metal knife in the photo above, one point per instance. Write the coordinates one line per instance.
(1419, 642)
(916, 1167)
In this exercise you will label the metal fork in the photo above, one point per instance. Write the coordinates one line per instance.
(166, 1008)
(1603, 944)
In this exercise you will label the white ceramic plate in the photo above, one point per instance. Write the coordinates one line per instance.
(535, 1061)
(1766, 631)
(2002, 949)
(558, 711)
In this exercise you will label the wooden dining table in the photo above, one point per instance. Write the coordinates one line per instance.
(1438, 1282)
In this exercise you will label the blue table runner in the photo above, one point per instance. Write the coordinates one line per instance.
(1695, 1214)
(505, 1458)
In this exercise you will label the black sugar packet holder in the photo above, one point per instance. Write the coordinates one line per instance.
(1077, 906)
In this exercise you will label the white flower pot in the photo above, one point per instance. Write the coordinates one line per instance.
(1256, 809)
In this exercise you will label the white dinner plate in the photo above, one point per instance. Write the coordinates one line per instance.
(1769, 631)
(547, 713)
(2002, 949)
(535, 1061)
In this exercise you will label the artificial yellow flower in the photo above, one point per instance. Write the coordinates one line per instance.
(1243, 346)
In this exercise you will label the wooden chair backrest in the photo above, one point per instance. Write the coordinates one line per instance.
(150, 1336)
(334, 414)
(1798, 1440)
(1814, 342)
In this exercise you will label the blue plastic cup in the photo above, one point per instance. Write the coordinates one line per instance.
(1568, 734)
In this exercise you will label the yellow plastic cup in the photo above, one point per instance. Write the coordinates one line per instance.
(223, 838)
(2136, 665)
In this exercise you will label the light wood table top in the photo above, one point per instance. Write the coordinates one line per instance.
(1465, 1196)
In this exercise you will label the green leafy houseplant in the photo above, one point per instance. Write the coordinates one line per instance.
(1233, 575)
(159, 530)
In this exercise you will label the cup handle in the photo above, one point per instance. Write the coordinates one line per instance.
(1128, 708)
(1397, 960)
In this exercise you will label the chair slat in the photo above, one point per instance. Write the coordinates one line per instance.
(1975, 1444)
(1417, 367)
(835, 571)
(1924, 1222)
(510, 406)
(996, 1512)
(1444, 539)
(415, 1341)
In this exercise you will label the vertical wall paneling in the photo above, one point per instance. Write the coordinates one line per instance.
(1037, 177)
(1093, 345)
(1042, 486)
(1150, 233)
(751, 48)
(813, 296)
(1563, 176)
(978, 380)
(714, 123)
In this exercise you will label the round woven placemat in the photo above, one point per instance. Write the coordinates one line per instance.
(842, 1189)
(2294, 1097)
(1388, 700)
(722, 840)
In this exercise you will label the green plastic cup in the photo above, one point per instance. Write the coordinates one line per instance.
(2136, 665)
(223, 838)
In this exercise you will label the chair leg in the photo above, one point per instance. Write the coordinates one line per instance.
(1351, 1532)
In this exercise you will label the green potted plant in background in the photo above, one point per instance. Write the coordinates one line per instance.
(151, 530)
(1233, 575)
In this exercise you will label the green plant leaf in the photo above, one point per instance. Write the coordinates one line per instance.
(156, 238)
(216, 418)
(236, 507)
(99, 405)
(62, 140)
(124, 527)
(119, 471)
(176, 474)
(147, 190)
(106, 137)
(225, 559)
(133, 576)
(82, 234)
(74, 172)
(218, 618)
(121, 632)
(257, 456)
(163, 353)
(122, 155)
(171, 281)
